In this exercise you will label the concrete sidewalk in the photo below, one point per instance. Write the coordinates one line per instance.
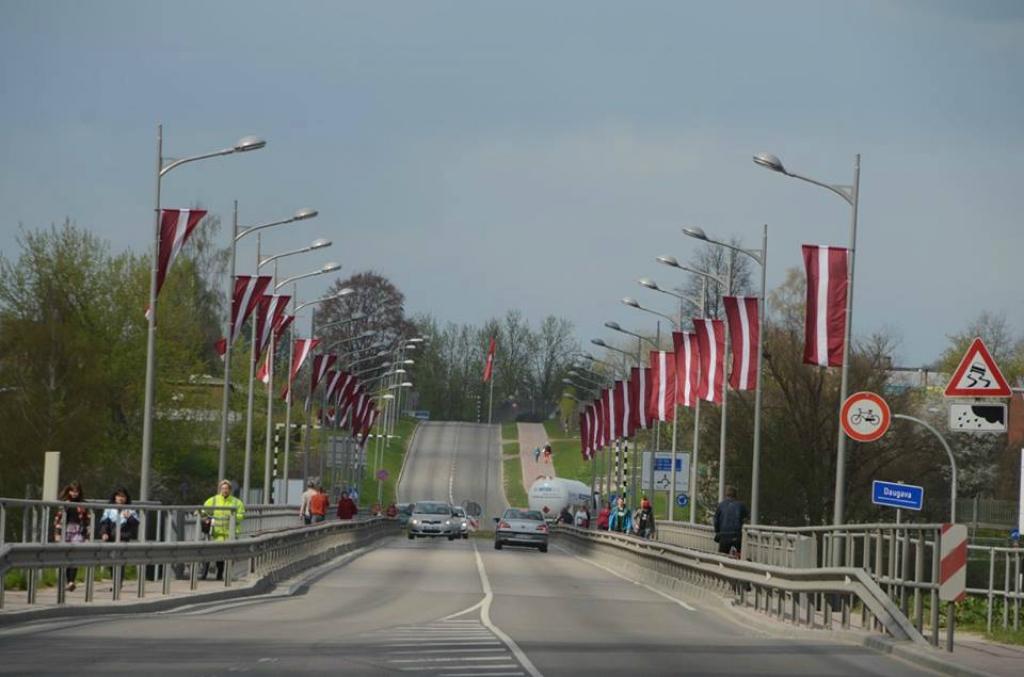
(533, 436)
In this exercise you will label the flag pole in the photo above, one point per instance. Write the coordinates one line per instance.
(490, 400)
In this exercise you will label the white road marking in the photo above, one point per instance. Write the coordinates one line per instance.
(450, 660)
(642, 585)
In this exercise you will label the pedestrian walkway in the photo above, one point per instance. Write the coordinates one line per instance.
(533, 436)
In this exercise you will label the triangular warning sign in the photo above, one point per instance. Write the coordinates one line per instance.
(977, 375)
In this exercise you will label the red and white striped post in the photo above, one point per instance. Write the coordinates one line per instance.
(952, 572)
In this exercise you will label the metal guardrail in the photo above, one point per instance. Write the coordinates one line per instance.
(793, 594)
(273, 554)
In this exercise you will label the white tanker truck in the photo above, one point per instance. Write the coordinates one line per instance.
(550, 495)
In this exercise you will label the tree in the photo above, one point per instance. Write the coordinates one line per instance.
(377, 301)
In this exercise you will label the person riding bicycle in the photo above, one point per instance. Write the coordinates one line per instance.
(220, 520)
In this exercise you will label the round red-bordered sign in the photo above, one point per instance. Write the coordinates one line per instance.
(865, 416)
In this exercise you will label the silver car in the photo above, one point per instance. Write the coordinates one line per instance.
(518, 526)
(432, 518)
(461, 520)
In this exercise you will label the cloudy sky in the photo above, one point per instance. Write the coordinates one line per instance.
(539, 155)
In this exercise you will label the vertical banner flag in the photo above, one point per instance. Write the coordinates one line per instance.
(490, 360)
(741, 312)
(622, 408)
(268, 314)
(711, 345)
(321, 364)
(611, 425)
(825, 320)
(301, 350)
(264, 372)
(584, 435)
(687, 367)
(370, 420)
(247, 294)
(599, 428)
(591, 431)
(175, 227)
(663, 386)
(639, 398)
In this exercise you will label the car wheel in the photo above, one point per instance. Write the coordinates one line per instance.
(411, 537)
(465, 536)
(497, 545)
(543, 548)
(451, 538)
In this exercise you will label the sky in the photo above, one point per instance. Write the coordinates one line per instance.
(488, 156)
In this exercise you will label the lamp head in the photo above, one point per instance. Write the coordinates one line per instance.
(695, 232)
(614, 326)
(567, 381)
(383, 353)
(599, 342)
(587, 356)
(668, 261)
(406, 384)
(647, 282)
(330, 268)
(249, 143)
(387, 396)
(320, 243)
(769, 161)
(306, 213)
(630, 301)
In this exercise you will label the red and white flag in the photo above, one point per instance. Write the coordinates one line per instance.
(825, 321)
(711, 344)
(321, 365)
(622, 408)
(301, 350)
(175, 227)
(744, 330)
(247, 294)
(687, 356)
(611, 421)
(663, 385)
(490, 360)
(333, 379)
(268, 314)
(370, 420)
(639, 398)
(599, 433)
(584, 436)
(264, 371)
(591, 431)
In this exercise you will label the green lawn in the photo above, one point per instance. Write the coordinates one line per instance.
(514, 491)
(394, 453)
(509, 432)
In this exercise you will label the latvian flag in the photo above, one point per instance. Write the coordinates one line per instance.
(639, 397)
(302, 349)
(741, 311)
(264, 373)
(825, 323)
(622, 409)
(175, 227)
(599, 433)
(687, 367)
(663, 385)
(711, 344)
(246, 296)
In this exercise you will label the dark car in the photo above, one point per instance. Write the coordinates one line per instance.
(519, 526)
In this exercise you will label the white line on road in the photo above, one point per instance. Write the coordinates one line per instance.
(450, 660)
(643, 585)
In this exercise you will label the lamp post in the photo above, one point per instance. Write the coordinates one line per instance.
(245, 144)
(850, 194)
(237, 233)
(761, 257)
(253, 358)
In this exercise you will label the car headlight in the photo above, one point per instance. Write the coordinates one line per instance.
(447, 523)
(414, 521)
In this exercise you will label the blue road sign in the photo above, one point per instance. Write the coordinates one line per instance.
(897, 495)
(1015, 535)
(682, 500)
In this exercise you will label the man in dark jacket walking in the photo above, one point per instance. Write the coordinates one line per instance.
(346, 507)
(729, 518)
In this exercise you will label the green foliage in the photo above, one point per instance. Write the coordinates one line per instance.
(515, 494)
(509, 431)
(393, 457)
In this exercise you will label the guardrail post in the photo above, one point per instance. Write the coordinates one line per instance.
(1006, 591)
(936, 551)
(918, 580)
(991, 586)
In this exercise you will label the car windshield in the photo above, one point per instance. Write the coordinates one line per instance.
(515, 514)
(458, 512)
(432, 509)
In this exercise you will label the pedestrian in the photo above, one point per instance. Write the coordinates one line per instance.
(120, 523)
(307, 495)
(376, 510)
(729, 518)
(220, 514)
(604, 516)
(536, 455)
(347, 508)
(582, 517)
(621, 518)
(71, 525)
(392, 512)
(644, 520)
(318, 505)
(565, 516)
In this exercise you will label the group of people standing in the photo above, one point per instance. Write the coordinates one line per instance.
(315, 504)
(119, 523)
(619, 518)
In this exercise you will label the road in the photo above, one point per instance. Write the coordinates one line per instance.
(436, 607)
(454, 462)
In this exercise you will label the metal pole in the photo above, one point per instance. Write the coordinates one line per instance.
(725, 393)
(840, 500)
(147, 410)
(309, 415)
(675, 431)
(222, 462)
(250, 402)
(288, 405)
(694, 467)
(267, 452)
(952, 462)
(755, 480)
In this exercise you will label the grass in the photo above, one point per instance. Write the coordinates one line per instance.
(514, 491)
(394, 454)
(509, 432)
(509, 448)
(17, 579)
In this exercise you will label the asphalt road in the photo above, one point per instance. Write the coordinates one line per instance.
(440, 608)
(454, 462)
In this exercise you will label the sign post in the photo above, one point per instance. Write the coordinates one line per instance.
(953, 572)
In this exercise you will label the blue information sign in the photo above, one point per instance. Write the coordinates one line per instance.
(682, 500)
(897, 495)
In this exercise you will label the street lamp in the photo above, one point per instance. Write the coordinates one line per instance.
(238, 232)
(614, 326)
(243, 145)
(760, 256)
(850, 194)
(633, 303)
